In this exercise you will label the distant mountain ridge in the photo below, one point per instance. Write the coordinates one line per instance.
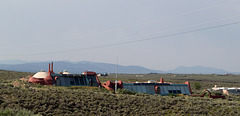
(12, 62)
(198, 70)
(77, 67)
(81, 66)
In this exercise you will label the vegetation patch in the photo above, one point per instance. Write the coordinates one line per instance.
(16, 112)
(125, 91)
(28, 99)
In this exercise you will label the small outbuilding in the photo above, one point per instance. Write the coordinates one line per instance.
(227, 90)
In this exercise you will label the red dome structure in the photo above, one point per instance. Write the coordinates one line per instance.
(42, 77)
(36, 80)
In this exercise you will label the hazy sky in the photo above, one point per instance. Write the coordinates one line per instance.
(101, 30)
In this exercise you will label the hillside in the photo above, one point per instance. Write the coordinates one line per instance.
(81, 66)
(197, 70)
(77, 67)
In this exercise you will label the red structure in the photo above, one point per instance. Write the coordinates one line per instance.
(188, 86)
(43, 78)
(88, 73)
(36, 80)
(111, 85)
(161, 80)
(50, 78)
(210, 96)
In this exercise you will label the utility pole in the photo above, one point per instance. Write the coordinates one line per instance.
(116, 76)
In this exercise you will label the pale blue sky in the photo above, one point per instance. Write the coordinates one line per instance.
(42, 30)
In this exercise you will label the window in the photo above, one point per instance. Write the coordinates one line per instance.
(71, 81)
(81, 81)
(76, 81)
(174, 91)
(93, 78)
(84, 81)
(179, 91)
(58, 81)
(158, 90)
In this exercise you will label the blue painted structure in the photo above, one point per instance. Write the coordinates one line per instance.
(158, 88)
(75, 80)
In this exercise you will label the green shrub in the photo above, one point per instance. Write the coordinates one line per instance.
(171, 94)
(217, 93)
(10, 85)
(16, 112)
(142, 94)
(39, 86)
(197, 85)
(125, 91)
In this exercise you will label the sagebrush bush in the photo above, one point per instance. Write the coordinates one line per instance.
(125, 91)
(16, 112)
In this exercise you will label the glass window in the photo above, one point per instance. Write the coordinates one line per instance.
(158, 90)
(81, 81)
(76, 81)
(93, 78)
(84, 81)
(179, 91)
(174, 91)
(72, 82)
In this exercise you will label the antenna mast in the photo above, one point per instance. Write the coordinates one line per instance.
(116, 76)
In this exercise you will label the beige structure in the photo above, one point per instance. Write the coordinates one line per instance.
(227, 90)
(66, 72)
(40, 74)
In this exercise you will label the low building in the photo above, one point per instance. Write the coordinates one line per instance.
(42, 77)
(86, 79)
(158, 88)
(227, 90)
(231, 91)
(102, 74)
(179, 75)
(152, 87)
